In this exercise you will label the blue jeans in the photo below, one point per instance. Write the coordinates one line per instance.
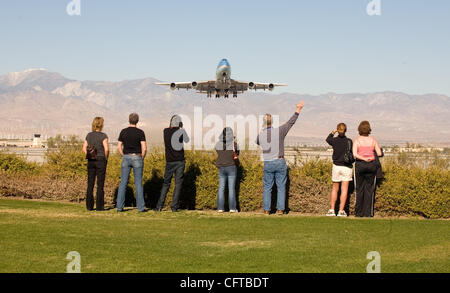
(275, 171)
(227, 173)
(137, 164)
(177, 169)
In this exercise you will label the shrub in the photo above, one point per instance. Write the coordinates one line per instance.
(408, 189)
(66, 162)
(13, 164)
(411, 190)
(319, 169)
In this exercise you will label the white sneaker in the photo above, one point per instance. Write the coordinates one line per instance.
(233, 211)
(331, 213)
(342, 214)
(220, 211)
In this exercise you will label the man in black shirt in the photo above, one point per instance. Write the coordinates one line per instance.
(133, 148)
(174, 137)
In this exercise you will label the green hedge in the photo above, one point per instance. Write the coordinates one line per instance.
(13, 164)
(407, 189)
(412, 190)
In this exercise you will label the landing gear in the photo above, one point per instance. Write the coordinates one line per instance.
(235, 95)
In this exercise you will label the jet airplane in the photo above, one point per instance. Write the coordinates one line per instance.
(223, 85)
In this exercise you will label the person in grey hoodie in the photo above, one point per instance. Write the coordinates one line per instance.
(271, 141)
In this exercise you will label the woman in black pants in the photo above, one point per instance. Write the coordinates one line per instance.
(364, 148)
(96, 143)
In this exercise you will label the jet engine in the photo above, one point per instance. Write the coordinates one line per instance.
(271, 86)
(173, 86)
(194, 85)
(251, 85)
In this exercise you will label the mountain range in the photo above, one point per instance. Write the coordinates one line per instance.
(45, 102)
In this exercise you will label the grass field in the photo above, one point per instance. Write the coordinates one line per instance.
(36, 236)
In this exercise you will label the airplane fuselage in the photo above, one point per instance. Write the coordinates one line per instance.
(223, 76)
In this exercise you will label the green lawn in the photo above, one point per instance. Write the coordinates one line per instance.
(36, 236)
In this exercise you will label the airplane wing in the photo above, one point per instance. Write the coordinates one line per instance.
(233, 86)
(244, 85)
(200, 85)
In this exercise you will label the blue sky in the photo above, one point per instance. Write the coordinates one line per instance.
(315, 46)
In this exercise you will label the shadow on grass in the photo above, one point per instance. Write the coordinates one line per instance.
(152, 189)
(130, 200)
(188, 195)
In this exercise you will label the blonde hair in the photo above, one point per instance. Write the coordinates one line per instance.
(341, 128)
(97, 124)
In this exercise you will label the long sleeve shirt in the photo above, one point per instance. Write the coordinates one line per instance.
(173, 140)
(271, 139)
(340, 144)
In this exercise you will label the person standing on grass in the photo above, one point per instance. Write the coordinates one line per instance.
(174, 137)
(364, 149)
(227, 155)
(271, 141)
(96, 148)
(132, 146)
(342, 172)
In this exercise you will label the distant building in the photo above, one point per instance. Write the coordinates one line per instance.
(37, 141)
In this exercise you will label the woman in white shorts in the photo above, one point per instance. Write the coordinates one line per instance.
(342, 172)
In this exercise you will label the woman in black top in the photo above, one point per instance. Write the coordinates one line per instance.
(96, 166)
(227, 152)
(342, 172)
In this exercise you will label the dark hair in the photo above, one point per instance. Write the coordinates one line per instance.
(267, 120)
(175, 121)
(364, 128)
(133, 118)
(227, 139)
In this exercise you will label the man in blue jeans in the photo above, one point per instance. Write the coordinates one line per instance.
(271, 141)
(174, 138)
(133, 148)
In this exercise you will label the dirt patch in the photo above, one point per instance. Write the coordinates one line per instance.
(427, 252)
(41, 213)
(238, 244)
